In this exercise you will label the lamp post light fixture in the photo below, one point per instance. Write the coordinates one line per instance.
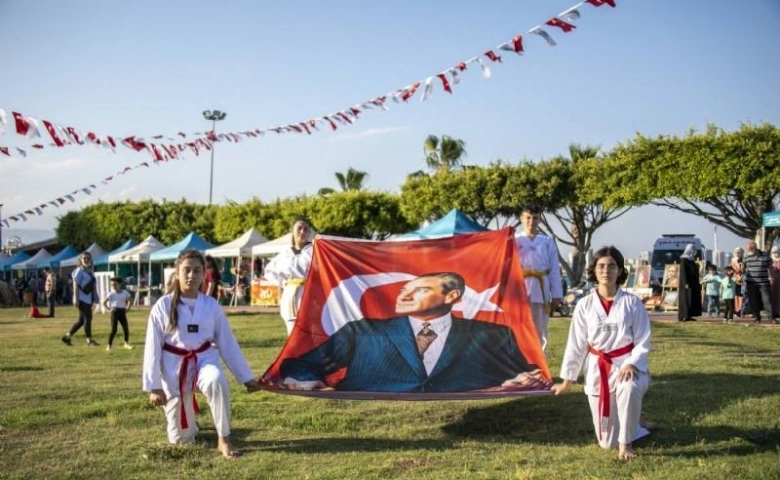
(214, 116)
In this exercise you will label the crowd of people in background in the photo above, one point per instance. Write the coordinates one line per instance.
(748, 287)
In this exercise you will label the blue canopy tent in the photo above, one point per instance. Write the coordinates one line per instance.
(54, 262)
(5, 264)
(191, 242)
(103, 259)
(454, 223)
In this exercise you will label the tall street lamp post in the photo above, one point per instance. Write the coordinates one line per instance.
(214, 116)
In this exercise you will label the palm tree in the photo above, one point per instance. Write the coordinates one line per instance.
(445, 154)
(351, 181)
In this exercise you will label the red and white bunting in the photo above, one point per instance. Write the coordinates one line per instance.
(62, 136)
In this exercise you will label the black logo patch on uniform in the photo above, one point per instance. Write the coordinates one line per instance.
(192, 329)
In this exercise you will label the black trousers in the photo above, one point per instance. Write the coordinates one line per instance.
(729, 308)
(759, 296)
(85, 320)
(51, 300)
(119, 316)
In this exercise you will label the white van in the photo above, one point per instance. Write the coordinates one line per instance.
(668, 249)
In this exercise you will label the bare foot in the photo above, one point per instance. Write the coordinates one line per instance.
(626, 453)
(223, 445)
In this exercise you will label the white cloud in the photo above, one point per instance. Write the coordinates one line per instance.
(371, 132)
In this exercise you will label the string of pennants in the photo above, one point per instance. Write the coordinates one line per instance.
(163, 148)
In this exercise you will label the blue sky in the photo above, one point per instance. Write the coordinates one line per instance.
(151, 67)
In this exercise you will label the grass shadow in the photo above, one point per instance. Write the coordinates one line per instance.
(676, 403)
(345, 445)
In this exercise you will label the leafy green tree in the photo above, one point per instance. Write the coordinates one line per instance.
(728, 178)
(478, 192)
(581, 210)
(443, 154)
(351, 181)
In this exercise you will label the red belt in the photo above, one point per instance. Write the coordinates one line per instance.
(605, 365)
(187, 355)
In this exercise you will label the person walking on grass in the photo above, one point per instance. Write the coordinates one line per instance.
(610, 334)
(84, 297)
(187, 336)
(118, 303)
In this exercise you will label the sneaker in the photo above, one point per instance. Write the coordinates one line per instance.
(109, 348)
(127, 346)
(66, 340)
(92, 343)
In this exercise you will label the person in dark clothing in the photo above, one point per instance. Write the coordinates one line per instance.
(689, 293)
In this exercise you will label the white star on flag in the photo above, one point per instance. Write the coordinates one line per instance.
(474, 302)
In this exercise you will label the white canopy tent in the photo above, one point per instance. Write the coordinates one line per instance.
(95, 250)
(269, 249)
(238, 248)
(139, 253)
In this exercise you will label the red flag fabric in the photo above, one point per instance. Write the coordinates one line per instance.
(599, 3)
(517, 42)
(445, 84)
(492, 56)
(53, 132)
(408, 92)
(22, 125)
(354, 332)
(557, 22)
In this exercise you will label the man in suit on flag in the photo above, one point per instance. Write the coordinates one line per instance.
(423, 349)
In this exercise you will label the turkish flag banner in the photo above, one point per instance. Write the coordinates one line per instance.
(430, 319)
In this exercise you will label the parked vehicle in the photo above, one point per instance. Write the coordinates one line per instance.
(573, 295)
(668, 249)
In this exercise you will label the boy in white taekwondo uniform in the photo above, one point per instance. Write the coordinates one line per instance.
(186, 336)
(610, 331)
(288, 270)
(541, 270)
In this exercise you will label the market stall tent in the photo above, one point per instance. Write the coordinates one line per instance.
(15, 258)
(103, 259)
(242, 246)
(95, 250)
(32, 262)
(139, 253)
(238, 248)
(454, 223)
(269, 249)
(190, 242)
(54, 262)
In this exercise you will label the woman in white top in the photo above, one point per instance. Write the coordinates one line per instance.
(288, 270)
(610, 334)
(187, 335)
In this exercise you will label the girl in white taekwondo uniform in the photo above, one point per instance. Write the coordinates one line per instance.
(288, 269)
(610, 331)
(186, 336)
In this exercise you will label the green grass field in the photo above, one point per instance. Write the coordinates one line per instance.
(79, 412)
